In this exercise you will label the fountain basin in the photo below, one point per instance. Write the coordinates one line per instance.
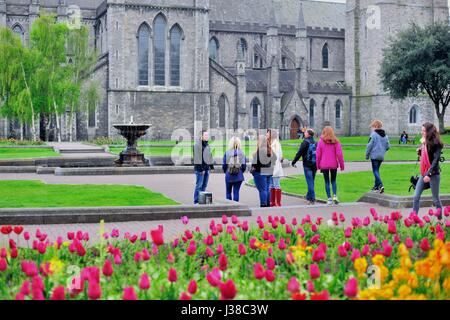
(131, 156)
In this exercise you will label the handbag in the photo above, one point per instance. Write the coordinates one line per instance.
(415, 179)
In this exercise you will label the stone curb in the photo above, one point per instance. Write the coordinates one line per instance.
(38, 216)
(400, 202)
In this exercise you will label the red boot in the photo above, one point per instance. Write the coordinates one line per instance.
(278, 197)
(273, 197)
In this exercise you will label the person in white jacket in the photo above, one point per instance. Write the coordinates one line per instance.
(275, 186)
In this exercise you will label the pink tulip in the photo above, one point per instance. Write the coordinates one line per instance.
(224, 219)
(107, 268)
(58, 293)
(314, 271)
(409, 243)
(145, 254)
(209, 240)
(342, 251)
(219, 249)
(314, 228)
(314, 239)
(270, 263)
(348, 232)
(258, 271)
(184, 296)
(209, 252)
(94, 290)
(172, 275)
(355, 255)
(227, 290)
(192, 287)
(234, 220)
(223, 262)
(294, 222)
(214, 277)
(144, 282)
(372, 239)
(301, 232)
(293, 285)
(310, 286)
(185, 220)
(270, 276)
(318, 255)
(366, 221)
(351, 288)
(129, 294)
(281, 244)
(170, 258)
(242, 250)
(425, 245)
(3, 264)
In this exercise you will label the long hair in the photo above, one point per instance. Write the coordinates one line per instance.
(262, 145)
(234, 144)
(328, 135)
(269, 142)
(433, 137)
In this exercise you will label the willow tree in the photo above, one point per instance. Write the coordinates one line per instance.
(417, 62)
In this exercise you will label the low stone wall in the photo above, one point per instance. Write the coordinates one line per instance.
(41, 216)
(400, 202)
(111, 171)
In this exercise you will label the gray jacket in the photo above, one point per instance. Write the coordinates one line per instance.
(378, 145)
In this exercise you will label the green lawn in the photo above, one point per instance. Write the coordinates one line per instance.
(352, 186)
(36, 194)
(17, 153)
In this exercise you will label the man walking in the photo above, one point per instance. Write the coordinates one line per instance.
(203, 163)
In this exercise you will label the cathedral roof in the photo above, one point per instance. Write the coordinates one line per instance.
(316, 13)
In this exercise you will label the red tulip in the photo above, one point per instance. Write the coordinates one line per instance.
(224, 219)
(192, 248)
(227, 290)
(409, 243)
(94, 290)
(42, 248)
(293, 285)
(324, 295)
(192, 287)
(315, 239)
(157, 236)
(425, 245)
(245, 226)
(144, 282)
(351, 288)
(145, 254)
(129, 294)
(223, 262)
(314, 271)
(172, 275)
(209, 252)
(3, 264)
(258, 271)
(270, 276)
(281, 244)
(209, 240)
(59, 293)
(314, 228)
(219, 248)
(6, 230)
(18, 230)
(318, 255)
(392, 227)
(107, 268)
(294, 221)
(342, 251)
(29, 268)
(298, 296)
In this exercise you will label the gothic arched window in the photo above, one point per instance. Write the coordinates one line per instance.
(17, 30)
(143, 53)
(325, 55)
(160, 50)
(255, 106)
(222, 111)
(242, 49)
(175, 55)
(214, 48)
(338, 114)
(312, 106)
(413, 114)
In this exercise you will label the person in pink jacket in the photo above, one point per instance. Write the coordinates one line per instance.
(329, 158)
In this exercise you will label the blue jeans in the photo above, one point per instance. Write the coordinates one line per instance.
(376, 164)
(268, 180)
(233, 187)
(326, 177)
(261, 185)
(435, 182)
(275, 183)
(201, 182)
(310, 175)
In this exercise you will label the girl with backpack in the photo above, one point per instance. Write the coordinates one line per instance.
(275, 186)
(329, 159)
(307, 152)
(430, 155)
(234, 165)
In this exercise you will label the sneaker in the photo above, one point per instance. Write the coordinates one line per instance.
(311, 203)
(374, 190)
(381, 190)
(330, 202)
(335, 199)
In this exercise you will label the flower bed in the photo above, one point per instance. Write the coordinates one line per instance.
(375, 257)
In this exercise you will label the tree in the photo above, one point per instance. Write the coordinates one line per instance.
(417, 62)
(82, 59)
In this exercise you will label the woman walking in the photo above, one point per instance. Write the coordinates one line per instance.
(376, 149)
(275, 186)
(329, 159)
(263, 163)
(430, 154)
(234, 165)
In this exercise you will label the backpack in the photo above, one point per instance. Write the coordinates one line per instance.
(234, 165)
(311, 154)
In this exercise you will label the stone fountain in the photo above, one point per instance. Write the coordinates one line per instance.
(131, 156)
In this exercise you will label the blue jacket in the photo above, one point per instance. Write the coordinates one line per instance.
(378, 145)
(226, 159)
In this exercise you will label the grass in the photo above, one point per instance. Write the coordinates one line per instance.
(17, 153)
(351, 154)
(36, 194)
(14, 142)
(352, 186)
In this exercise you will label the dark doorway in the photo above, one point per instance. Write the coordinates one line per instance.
(295, 126)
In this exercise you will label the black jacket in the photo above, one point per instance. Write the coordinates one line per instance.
(203, 159)
(265, 166)
(434, 154)
(302, 152)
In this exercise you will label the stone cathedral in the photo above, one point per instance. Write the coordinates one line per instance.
(237, 64)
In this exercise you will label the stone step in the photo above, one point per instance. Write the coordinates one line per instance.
(77, 151)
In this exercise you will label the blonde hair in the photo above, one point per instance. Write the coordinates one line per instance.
(377, 124)
(328, 135)
(234, 143)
